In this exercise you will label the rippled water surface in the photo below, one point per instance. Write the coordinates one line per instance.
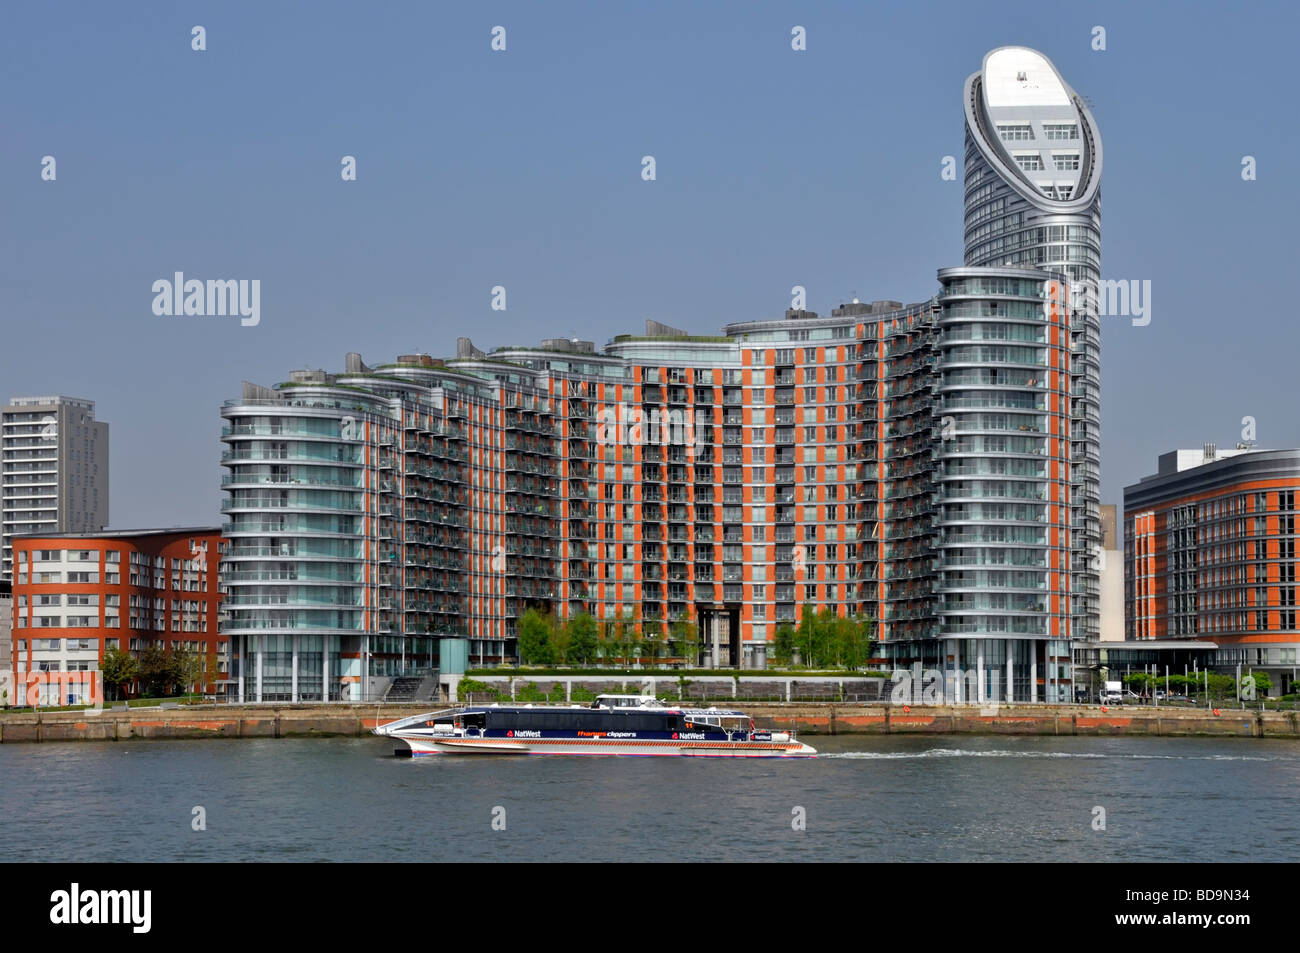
(866, 798)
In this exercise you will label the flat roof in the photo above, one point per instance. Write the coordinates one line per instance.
(120, 533)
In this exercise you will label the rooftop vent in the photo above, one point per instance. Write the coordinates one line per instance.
(656, 329)
(465, 348)
(418, 360)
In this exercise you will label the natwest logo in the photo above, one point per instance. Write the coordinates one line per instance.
(522, 733)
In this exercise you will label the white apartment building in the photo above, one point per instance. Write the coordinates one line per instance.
(53, 470)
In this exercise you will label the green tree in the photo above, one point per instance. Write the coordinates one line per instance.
(155, 669)
(850, 643)
(1262, 684)
(783, 647)
(806, 636)
(118, 668)
(211, 670)
(582, 638)
(186, 668)
(625, 639)
(559, 639)
(653, 643)
(685, 635)
(535, 639)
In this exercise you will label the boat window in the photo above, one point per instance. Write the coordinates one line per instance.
(475, 719)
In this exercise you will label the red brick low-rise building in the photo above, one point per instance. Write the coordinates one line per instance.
(77, 595)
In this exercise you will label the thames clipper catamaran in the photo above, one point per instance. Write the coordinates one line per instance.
(613, 724)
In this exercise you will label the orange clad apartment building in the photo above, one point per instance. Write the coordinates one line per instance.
(1210, 555)
(906, 464)
(75, 595)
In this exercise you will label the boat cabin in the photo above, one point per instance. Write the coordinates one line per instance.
(626, 701)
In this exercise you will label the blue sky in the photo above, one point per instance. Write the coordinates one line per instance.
(522, 169)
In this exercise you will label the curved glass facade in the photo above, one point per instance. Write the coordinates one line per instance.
(1000, 471)
(1033, 199)
(346, 539)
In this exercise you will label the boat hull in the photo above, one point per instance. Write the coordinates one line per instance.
(424, 745)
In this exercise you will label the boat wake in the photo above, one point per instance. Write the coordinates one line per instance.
(966, 753)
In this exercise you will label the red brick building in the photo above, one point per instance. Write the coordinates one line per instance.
(75, 595)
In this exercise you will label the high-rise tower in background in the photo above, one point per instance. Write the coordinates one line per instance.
(53, 470)
(1033, 199)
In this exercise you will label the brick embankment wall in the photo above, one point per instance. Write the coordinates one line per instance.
(322, 721)
(1027, 720)
(326, 721)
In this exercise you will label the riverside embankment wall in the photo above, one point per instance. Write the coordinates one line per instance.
(805, 718)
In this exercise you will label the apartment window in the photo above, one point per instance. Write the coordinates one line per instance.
(1060, 131)
(1065, 161)
(1030, 162)
(1016, 133)
(810, 355)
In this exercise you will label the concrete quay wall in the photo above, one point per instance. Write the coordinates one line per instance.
(327, 721)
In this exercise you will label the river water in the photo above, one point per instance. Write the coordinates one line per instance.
(934, 798)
